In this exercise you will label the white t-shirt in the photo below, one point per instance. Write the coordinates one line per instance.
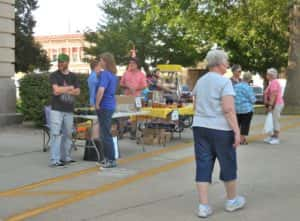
(208, 93)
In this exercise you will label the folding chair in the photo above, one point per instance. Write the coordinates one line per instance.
(46, 128)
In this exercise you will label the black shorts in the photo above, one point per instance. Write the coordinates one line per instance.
(244, 121)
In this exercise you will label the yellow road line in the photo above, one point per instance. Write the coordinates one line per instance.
(137, 157)
(48, 193)
(47, 182)
(112, 186)
(101, 189)
(142, 156)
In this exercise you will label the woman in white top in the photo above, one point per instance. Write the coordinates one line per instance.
(216, 132)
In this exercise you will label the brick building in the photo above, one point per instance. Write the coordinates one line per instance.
(70, 44)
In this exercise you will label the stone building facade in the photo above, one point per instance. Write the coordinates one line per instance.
(7, 58)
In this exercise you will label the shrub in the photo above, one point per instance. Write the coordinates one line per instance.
(83, 99)
(19, 106)
(35, 93)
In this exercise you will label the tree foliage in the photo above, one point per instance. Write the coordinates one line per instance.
(156, 42)
(256, 33)
(29, 54)
(253, 32)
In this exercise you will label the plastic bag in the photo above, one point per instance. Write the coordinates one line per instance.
(116, 147)
(269, 127)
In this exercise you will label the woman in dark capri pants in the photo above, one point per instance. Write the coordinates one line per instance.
(216, 133)
(244, 100)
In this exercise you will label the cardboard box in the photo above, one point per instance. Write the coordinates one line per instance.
(193, 74)
(149, 140)
(165, 138)
(125, 103)
(155, 141)
(155, 136)
(124, 99)
(150, 132)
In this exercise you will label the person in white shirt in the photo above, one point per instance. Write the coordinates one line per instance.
(216, 132)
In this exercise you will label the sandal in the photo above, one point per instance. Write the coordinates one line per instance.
(244, 142)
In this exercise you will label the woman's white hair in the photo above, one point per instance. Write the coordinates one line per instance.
(247, 77)
(273, 72)
(216, 57)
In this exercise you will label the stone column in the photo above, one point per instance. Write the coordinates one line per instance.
(7, 57)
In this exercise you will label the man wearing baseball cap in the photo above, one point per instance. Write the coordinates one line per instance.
(65, 87)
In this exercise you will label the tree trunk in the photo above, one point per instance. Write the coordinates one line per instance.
(292, 94)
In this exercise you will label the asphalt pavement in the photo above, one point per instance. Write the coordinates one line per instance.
(154, 185)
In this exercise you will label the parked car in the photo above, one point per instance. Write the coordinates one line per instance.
(259, 94)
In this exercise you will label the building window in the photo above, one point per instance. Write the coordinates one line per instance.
(54, 54)
(64, 50)
(54, 57)
(75, 55)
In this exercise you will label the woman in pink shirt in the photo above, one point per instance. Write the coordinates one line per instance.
(133, 80)
(274, 103)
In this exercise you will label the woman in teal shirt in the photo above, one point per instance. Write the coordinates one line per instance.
(244, 100)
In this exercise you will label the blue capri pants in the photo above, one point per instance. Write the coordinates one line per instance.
(211, 144)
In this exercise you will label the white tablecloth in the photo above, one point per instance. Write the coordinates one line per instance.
(115, 115)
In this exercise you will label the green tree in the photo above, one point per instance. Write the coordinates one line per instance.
(29, 54)
(253, 32)
(126, 26)
(292, 95)
(257, 35)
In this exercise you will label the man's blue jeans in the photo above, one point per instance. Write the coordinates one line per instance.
(61, 128)
(105, 121)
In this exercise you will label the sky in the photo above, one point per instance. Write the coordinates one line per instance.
(66, 16)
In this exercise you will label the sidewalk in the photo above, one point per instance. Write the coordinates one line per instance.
(21, 152)
(156, 185)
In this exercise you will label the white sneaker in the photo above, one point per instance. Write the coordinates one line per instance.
(204, 211)
(100, 163)
(235, 204)
(268, 139)
(274, 141)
